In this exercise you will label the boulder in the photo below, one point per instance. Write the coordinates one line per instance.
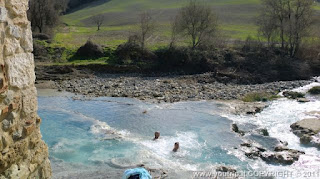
(263, 132)
(235, 128)
(225, 169)
(303, 100)
(248, 108)
(307, 130)
(283, 158)
(311, 125)
(281, 155)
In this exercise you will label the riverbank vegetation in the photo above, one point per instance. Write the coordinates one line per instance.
(196, 40)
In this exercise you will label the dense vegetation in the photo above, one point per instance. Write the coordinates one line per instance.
(196, 41)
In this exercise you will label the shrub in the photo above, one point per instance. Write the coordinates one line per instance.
(90, 50)
(315, 90)
(132, 53)
(182, 59)
(293, 95)
(259, 97)
(41, 36)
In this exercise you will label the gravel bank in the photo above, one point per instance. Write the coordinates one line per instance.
(168, 89)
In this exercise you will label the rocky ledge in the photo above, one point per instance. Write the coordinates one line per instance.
(308, 130)
(168, 88)
(281, 155)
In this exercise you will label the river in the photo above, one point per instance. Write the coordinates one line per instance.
(100, 137)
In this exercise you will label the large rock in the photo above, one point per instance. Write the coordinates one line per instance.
(307, 126)
(23, 154)
(240, 108)
(308, 130)
(280, 155)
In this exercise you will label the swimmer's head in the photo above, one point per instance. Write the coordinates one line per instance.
(176, 147)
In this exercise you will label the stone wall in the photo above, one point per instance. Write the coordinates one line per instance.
(23, 153)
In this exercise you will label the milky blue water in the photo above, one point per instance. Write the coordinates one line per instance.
(103, 136)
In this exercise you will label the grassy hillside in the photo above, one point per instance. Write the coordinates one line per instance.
(236, 16)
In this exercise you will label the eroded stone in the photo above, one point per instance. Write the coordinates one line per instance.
(21, 70)
(3, 14)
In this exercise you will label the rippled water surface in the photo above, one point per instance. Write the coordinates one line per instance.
(100, 137)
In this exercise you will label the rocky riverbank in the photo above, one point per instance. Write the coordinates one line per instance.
(97, 81)
(167, 89)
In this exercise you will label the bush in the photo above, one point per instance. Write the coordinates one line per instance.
(132, 53)
(293, 95)
(90, 50)
(41, 36)
(267, 65)
(182, 59)
(259, 97)
(315, 90)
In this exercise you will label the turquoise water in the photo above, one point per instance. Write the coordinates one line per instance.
(103, 136)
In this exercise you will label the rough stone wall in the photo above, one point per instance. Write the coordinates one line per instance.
(22, 152)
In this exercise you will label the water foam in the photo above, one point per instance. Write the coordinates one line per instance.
(277, 119)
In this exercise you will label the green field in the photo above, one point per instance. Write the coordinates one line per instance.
(237, 18)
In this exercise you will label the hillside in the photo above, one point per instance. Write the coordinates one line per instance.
(236, 16)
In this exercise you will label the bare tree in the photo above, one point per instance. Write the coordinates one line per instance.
(45, 14)
(196, 21)
(292, 19)
(267, 28)
(146, 27)
(174, 32)
(98, 20)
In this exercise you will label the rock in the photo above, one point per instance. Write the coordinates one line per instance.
(21, 144)
(3, 14)
(308, 125)
(305, 139)
(284, 143)
(6, 124)
(307, 130)
(263, 132)
(283, 158)
(248, 108)
(281, 154)
(303, 100)
(235, 128)
(225, 169)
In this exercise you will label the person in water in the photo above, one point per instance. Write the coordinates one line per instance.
(176, 147)
(156, 135)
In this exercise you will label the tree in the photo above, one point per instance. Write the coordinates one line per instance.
(174, 32)
(267, 29)
(98, 20)
(146, 27)
(291, 19)
(44, 14)
(197, 22)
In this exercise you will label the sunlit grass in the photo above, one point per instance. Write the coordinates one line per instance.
(236, 16)
(118, 6)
